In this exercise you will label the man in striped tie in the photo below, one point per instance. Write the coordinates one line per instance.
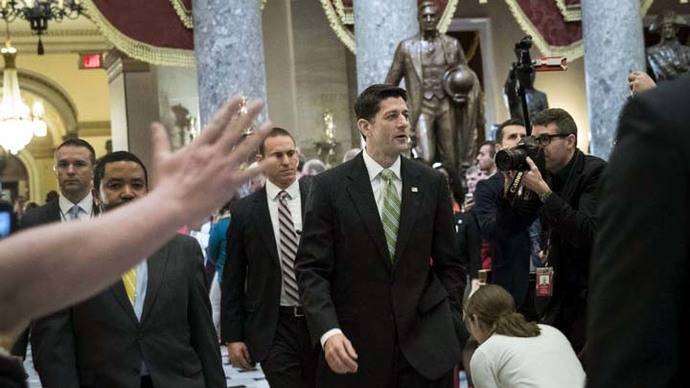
(261, 313)
(378, 275)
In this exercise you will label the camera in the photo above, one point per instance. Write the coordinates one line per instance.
(515, 159)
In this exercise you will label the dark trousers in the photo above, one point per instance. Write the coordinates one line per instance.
(292, 360)
(407, 376)
(146, 382)
(527, 308)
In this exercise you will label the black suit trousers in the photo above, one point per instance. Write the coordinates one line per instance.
(292, 359)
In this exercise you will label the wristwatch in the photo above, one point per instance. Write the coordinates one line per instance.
(544, 196)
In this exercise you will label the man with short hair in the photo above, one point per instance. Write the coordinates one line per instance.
(261, 314)
(74, 163)
(508, 241)
(151, 329)
(485, 158)
(566, 206)
(378, 272)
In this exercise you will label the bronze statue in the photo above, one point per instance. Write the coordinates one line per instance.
(422, 61)
(464, 89)
(669, 58)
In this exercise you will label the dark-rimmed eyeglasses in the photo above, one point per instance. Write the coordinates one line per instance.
(545, 139)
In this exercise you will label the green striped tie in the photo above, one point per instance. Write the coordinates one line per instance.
(390, 216)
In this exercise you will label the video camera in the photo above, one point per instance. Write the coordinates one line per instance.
(523, 69)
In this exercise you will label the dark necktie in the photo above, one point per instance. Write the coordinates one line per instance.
(289, 241)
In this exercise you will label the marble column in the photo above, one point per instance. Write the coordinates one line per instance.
(614, 45)
(380, 26)
(229, 50)
(133, 103)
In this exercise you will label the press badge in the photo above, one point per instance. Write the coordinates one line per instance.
(544, 277)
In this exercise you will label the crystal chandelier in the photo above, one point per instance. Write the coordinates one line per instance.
(18, 123)
(39, 12)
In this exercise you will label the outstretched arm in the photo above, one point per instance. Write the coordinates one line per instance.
(50, 267)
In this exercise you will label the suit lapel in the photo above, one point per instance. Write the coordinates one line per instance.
(412, 195)
(156, 271)
(264, 223)
(303, 192)
(120, 294)
(363, 197)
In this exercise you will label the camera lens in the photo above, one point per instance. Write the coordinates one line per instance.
(510, 160)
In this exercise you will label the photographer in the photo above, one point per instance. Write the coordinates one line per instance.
(565, 199)
(508, 237)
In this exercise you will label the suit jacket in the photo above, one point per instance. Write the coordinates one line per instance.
(638, 309)
(252, 276)
(407, 64)
(347, 279)
(508, 237)
(468, 242)
(569, 215)
(103, 338)
(48, 213)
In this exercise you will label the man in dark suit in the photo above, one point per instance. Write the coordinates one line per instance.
(74, 162)
(377, 269)
(638, 311)
(261, 316)
(151, 329)
(508, 237)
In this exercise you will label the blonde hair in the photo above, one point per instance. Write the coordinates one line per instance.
(494, 308)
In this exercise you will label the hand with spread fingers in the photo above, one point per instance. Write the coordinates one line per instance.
(340, 354)
(204, 174)
(41, 272)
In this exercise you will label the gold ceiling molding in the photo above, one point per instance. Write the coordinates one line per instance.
(341, 20)
(135, 48)
(186, 15)
(574, 13)
(183, 13)
(341, 31)
(571, 51)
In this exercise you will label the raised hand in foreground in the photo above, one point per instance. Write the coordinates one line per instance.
(50, 267)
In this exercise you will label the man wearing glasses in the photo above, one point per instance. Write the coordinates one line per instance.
(567, 195)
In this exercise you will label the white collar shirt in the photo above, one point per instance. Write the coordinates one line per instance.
(85, 207)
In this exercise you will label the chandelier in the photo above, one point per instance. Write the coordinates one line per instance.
(18, 123)
(39, 12)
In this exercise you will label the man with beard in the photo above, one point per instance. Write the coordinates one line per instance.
(151, 329)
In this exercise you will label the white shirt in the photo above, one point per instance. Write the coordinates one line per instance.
(85, 205)
(294, 204)
(545, 361)
(374, 170)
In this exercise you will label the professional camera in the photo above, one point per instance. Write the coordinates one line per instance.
(515, 159)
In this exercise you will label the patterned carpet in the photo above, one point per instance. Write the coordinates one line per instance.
(235, 377)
